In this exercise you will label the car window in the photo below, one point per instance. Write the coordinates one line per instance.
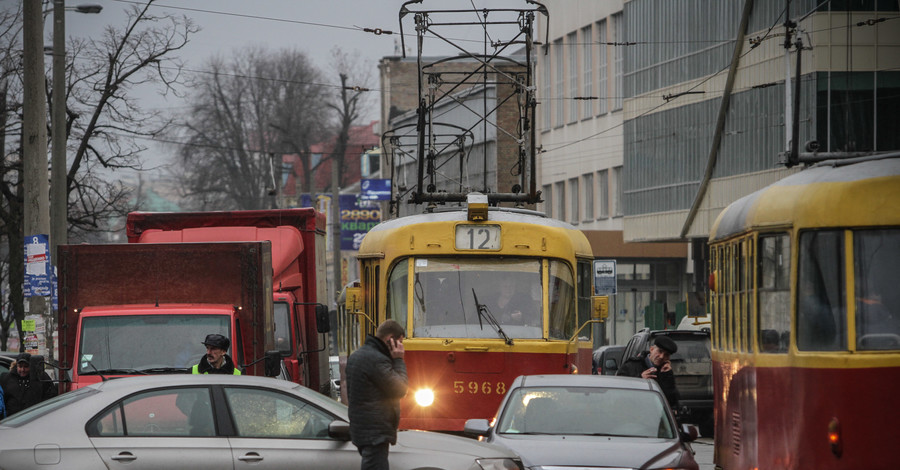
(586, 411)
(46, 406)
(263, 413)
(156, 413)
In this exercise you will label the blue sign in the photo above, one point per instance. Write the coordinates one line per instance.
(375, 189)
(357, 217)
(37, 266)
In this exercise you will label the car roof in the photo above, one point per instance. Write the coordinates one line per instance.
(169, 380)
(581, 380)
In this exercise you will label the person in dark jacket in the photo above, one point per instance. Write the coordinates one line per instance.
(22, 388)
(376, 381)
(216, 361)
(654, 364)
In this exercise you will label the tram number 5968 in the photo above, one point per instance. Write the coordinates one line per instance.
(484, 388)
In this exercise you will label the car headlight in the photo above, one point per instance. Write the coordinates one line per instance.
(497, 464)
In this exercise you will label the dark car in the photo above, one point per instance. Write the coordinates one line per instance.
(692, 365)
(570, 421)
(607, 359)
(6, 361)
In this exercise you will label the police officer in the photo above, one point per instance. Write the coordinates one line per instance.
(216, 361)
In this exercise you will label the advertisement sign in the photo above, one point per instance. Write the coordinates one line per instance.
(37, 266)
(357, 218)
(604, 277)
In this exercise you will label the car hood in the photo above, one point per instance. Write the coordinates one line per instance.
(429, 442)
(583, 451)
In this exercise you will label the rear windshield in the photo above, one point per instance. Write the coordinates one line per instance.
(31, 413)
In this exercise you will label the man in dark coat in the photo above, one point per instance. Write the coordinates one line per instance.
(22, 389)
(376, 381)
(654, 364)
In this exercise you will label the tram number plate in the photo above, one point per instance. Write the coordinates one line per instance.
(477, 237)
(476, 388)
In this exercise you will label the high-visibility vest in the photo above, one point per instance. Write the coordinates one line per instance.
(196, 370)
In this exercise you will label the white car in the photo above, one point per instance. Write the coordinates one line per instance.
(213, 422)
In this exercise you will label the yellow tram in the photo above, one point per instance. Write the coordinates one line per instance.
(485, 295)
(806, 320)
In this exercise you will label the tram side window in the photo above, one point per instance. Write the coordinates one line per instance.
(562, 301)
(876, 255)
(585, 289)
(397, 293)
(821, 324)
(774, 258)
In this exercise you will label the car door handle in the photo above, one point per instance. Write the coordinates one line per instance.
(250, 457)
(124, 457)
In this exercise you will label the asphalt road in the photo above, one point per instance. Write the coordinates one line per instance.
(703, 453)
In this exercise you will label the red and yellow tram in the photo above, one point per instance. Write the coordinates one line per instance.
(805, 308)
(484, 298)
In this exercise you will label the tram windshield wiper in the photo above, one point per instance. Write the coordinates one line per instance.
(485, 314)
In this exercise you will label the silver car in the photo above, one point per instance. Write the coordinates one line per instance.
(589, 421)
(212, 422)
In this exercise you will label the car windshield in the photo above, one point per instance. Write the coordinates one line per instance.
(596, 411)
(128, 344)
(33, 412)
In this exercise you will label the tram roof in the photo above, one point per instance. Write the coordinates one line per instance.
(835, 193)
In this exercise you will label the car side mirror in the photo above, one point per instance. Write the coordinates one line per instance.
(610, 364)
(323, 322)
(340, 430)
(273, 363)
(689, 432)
(477, 427)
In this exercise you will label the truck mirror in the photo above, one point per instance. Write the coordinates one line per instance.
(599, 307)
(323, 322)
(273, 363)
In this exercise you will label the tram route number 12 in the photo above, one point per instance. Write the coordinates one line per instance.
(484, 388)
(477, 237)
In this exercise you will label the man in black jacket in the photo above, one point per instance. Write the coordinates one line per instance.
(654, 364)
(216, 361)
(376, 381)
(22, 389)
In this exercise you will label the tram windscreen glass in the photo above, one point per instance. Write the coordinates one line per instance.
(508, 295)
(134, 344)
(877, 271)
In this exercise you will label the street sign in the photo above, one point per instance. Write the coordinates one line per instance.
(37, 266)
(604, 277)
(375, 189)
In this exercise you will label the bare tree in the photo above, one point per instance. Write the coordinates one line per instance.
(246, 112)
(350, 100)
(103, 122)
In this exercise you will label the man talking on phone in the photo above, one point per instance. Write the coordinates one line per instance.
(376, 381)
(654, 364)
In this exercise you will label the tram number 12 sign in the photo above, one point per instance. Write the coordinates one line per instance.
(604, 277)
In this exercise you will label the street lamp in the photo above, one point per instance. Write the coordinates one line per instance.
(59, 185)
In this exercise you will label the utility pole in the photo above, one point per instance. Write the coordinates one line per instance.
(34, 154)
(58, 167)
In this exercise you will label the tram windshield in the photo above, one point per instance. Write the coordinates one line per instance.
(480, 298)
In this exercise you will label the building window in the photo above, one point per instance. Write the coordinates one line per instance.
(587, 71)
(546, 89)
(560, 81)
(559, 212)
(620, 192)
(602, 69)
(547, 194)
(574, 213)
(619, 32)
(603, 194)
(587, 180)
(572, 48)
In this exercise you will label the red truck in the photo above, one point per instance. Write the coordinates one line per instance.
(298, 282)
(128, 309)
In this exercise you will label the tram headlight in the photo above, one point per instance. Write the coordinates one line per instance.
(424, 397)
